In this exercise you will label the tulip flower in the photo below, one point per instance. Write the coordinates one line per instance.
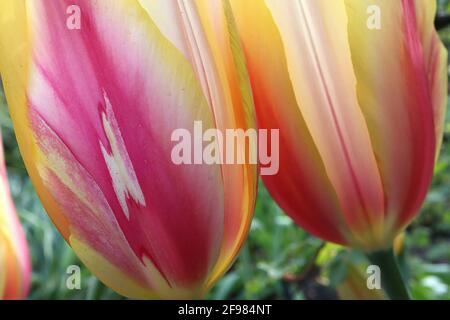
(15, 270)
(358, 89)
(96, 88)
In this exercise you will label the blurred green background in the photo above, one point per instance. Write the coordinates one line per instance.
(279, 260)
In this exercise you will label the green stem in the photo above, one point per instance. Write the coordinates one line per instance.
(391, 277)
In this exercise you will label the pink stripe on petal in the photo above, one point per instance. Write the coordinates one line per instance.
(418, 83)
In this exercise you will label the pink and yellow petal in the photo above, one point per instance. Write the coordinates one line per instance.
(15, 266)
(313, 204)
(104, 101)
(398, 106)
(234, 111)
(314, 35)
(359, 121)
(14, 68)
(436, 62)
(209, 41)
(13, 285)
(2, 263)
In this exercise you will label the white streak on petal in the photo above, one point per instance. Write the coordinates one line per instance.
(120, 168)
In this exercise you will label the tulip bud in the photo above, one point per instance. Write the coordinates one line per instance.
(15, 270)
(358, 91)
(96, 88)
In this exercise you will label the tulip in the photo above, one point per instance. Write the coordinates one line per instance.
(15, 270)
(358, 89)
(96, 88)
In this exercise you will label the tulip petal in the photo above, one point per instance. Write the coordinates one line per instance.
(327, 109)
(167, 15)
(398, 103)
(436, 62)
(15, 269)
(366, 138)
(325, 90)
(2, 262)
(228, 70)
(14, 276)
(312, 204)
(211, 44)
(102, 103)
